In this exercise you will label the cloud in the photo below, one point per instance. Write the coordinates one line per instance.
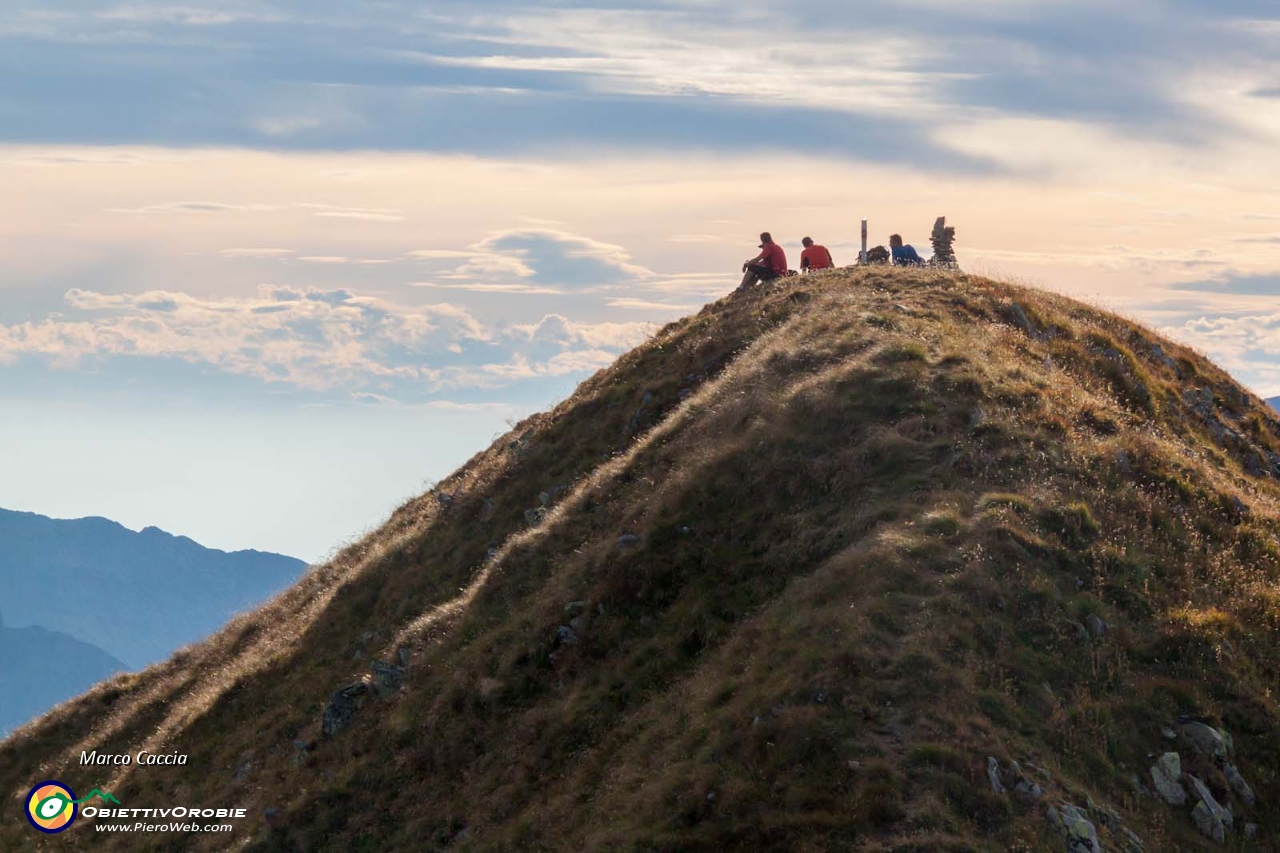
(186, 207)
(1265, 284)
(255, 252)
(1248, 346)
(718, 75)
(560, 331)
(479, 287)
(550, 256)
(187, 16)
(533, 260)
(437, 254)
(314, 340)
(365, 214)
(281, 126)
(649, 305)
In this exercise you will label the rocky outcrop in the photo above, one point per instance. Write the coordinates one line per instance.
(1077, 831)
(342, 707)
(1167, 776)
(1210, 817)
(1206, 740)
(1241, 787)
(993, 776)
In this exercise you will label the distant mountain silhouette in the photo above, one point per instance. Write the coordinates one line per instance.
(1274, 402)
(40, 668)
(138, 596)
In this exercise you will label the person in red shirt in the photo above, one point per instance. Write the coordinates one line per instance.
(815, 257)
(766, 266)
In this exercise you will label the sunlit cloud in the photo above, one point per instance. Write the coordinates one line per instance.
(188, 207)
(255, 252)
(650, 305)
(316, 340)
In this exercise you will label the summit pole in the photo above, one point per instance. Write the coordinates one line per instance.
(862, 256)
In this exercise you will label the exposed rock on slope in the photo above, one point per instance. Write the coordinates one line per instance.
(873, 560)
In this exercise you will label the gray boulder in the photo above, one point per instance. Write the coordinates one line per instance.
(993, 775)
(1129, 841)
(1241, 787)
(1206, 740)
(1158, 353)
(1021, 320)
(1210, 817)
(342, 707)
(387, 677)
(1028, 789)
(1094, 624)
(1167, 774)
(1227, 740)
(1077, 831)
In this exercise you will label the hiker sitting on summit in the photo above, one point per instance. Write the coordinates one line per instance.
(904, 256)
(766, 266)
(814, 257)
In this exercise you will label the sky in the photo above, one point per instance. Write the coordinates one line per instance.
(267, 269)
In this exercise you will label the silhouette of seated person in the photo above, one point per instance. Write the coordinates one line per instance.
(766, 266)
(904, 255)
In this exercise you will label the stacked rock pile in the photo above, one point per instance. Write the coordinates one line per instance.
(943, 236)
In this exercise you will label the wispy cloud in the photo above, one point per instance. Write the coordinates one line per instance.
(316, 340)
(255, 252)
(326, 211)
(650, 305)
(717, 74)
(189, 207)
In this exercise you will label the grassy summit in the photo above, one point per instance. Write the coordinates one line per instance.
(809, 570)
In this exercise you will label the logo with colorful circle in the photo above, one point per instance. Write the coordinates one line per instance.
(52, 806)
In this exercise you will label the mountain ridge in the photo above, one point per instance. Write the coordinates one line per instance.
(148, 530)
(101, 568)
(876, 559)
(40, 668)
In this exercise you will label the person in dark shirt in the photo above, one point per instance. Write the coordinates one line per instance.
(814, 257)
(766, 266)
(904, 256)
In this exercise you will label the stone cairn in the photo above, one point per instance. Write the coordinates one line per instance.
(943, 236)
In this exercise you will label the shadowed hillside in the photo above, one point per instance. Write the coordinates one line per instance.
(879, 560)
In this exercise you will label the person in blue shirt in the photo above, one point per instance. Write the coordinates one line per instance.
(904, 256)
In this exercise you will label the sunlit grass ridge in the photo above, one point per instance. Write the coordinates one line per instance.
(782, 577)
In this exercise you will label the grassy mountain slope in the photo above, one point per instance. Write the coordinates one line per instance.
(786, 576)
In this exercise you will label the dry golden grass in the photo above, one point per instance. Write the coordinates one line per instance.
(872, 513)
